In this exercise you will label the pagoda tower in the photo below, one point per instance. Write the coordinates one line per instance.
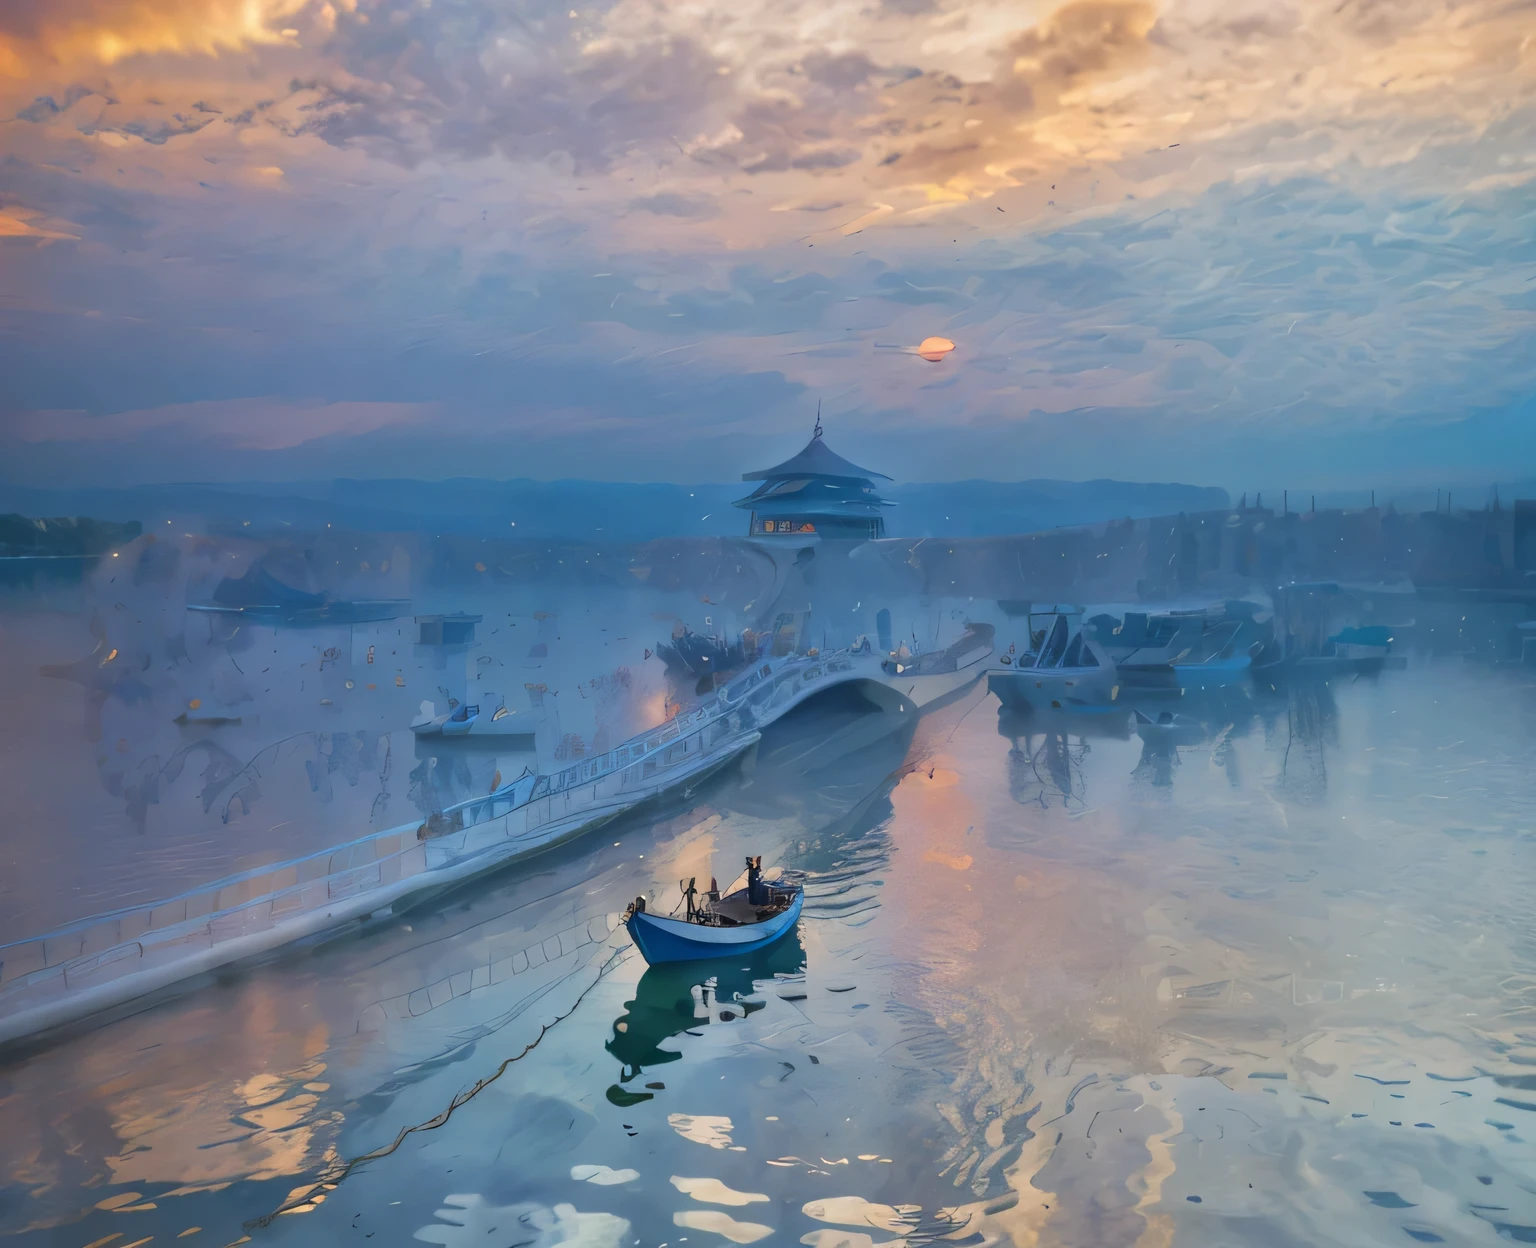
(815, 494)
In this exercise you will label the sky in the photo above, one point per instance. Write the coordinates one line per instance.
(1250, 243)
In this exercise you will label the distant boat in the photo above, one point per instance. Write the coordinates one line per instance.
(691, 655)
(260, 596)
(1182, 651)
(1061, 667)
(926, 678)
(208, 711)
(1354, 651)
(465, 721)
(1370, 641)
(717, 925)
(454, 723)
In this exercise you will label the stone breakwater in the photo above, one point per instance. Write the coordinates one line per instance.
(100, 962)
(97, 963)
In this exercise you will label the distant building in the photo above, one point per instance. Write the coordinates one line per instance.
(817, 493)
(446, 630)
(441, 638)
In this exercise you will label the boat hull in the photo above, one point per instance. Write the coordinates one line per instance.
(672, 940)
(1060, 688)
(1214, 674)
(924, 690)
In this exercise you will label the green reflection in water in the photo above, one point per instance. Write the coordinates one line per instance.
(678, 996)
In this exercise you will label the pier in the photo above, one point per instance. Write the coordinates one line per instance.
(103, 961)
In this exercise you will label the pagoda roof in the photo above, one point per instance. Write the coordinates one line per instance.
(813, 494)
(816, 460)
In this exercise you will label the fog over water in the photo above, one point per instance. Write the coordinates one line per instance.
(1260, 976)
(424, 558)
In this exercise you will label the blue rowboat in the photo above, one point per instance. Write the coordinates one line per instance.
(715, 925)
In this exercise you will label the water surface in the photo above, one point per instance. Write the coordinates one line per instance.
(1264, 978)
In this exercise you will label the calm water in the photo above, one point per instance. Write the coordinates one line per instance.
(1267, 978)
(303, 741)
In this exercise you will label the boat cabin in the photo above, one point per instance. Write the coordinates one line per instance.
(1057, 641)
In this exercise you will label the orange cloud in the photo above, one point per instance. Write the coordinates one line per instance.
(35, 33)
(1075, 192)
(20, 223)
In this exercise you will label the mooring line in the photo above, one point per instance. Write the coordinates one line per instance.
(333, 1178)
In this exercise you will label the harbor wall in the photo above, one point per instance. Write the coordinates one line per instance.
(94, 964)
(80, 967)
(1225, 553)
(97, 963)
(103, 962)
(91, 965)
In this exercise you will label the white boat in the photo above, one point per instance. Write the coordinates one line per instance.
(1181, 651)
(465, 721)
(1061, 668)
(926, 678)
(455, 722)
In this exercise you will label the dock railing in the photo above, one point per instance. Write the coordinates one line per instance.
(195, 928)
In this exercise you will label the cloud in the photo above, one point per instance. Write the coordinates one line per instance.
(622, 237)
(23, 224)
(105, 33)
(668, 204)
(229, 426)
(45, 106)
(460, 79)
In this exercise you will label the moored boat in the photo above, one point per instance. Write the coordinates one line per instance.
(1183, 651)
(455, 723)
(1060, 667)
(472, 721)
(926, 678)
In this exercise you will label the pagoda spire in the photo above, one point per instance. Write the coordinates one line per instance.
(815, 494)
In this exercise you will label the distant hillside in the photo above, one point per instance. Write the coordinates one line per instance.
(990, 508)
(59, 536)
(596, 509)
